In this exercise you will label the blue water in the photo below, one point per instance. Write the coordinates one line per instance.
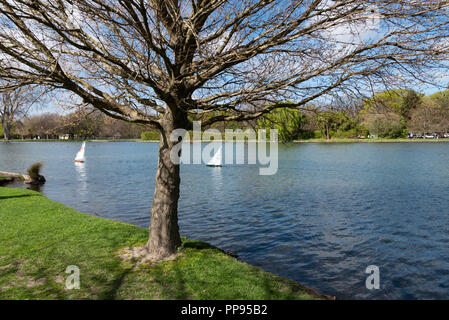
(329, 212)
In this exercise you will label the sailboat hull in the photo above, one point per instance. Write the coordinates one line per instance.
(79, 161)
(213, 165)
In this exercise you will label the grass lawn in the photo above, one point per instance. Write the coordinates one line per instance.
(39, 238)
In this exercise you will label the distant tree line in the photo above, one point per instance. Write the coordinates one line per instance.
(388, 114)
(75, 125)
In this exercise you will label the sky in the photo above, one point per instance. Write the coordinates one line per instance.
(346, 36)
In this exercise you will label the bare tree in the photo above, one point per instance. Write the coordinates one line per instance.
(157, 61)
(14, 103)
(429, 117)
(41, 125)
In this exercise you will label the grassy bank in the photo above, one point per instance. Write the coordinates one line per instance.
(39, 238)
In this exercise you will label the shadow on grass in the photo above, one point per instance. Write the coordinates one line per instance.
(171, 286)
(114, 286)
(18, 196)
(290, 290)
(162, 284)
(198, 245)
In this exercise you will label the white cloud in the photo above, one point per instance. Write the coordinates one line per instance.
(352, 29)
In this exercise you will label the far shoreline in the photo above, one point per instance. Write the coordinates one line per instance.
(336, 140)
(355, 140)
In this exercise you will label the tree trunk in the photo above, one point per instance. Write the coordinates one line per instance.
(5, 129)
(164, 231)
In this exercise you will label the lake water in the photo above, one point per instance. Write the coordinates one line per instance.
(329, 212)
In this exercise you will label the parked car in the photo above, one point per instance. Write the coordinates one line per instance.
(445, 135)
(419, 136)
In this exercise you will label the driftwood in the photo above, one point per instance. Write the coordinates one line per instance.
(21, 177)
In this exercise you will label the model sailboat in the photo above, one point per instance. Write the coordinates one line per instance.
(80, 155)
(216, 159)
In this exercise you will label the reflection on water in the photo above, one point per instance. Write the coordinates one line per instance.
(35, 187)
(81, 178)
(217, 178)
(80, 168)
(21, 184)
(329, 212)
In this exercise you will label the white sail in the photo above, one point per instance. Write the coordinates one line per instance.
(216, 159)
(80, 155)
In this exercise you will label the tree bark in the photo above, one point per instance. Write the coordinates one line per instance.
(164, 231)
(5, 129)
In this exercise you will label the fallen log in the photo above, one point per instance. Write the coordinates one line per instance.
(5, 180)
(12, 176)
(16, 176)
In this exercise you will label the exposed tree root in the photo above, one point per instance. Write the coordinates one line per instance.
(141, 255)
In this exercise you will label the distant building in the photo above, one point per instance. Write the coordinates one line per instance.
(64, 136)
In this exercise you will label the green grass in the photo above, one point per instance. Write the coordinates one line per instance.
(39, 238)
